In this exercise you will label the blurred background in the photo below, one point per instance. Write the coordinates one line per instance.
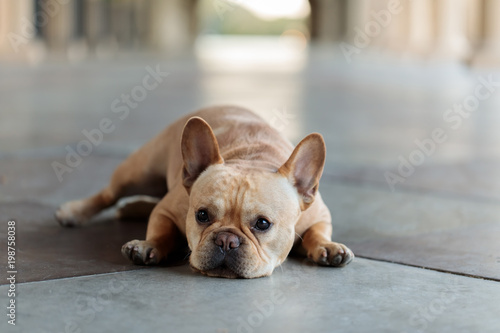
(75, 30)
(380, 73)
(373, 75)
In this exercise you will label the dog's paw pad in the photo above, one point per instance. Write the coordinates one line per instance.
(332, 254)
(141, 253)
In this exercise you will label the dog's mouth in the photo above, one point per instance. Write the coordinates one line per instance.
(222, 270)
(221, 264)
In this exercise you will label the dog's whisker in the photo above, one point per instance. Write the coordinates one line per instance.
(187, 255)
(299, 236)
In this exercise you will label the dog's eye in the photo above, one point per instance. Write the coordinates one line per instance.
(202, 216)
(262, 224)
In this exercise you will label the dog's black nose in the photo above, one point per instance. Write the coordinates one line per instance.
(227, 241)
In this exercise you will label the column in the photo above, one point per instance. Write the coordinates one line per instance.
(60, 28)
(327, 20)
(171, 25)
(450, 30)
(380, 25)
(94, 22)
(393, 17)
(17, 30)
(356, 17)
(475, 17)
(122, 23)
(489, 52)
(421, 27)
(4, 26)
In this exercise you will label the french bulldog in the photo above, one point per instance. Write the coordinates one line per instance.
(233, 187)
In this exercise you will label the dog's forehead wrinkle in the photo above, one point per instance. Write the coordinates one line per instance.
(240, 195)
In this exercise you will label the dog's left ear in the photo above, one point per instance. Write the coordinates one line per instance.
(199, 150)
(305, 166)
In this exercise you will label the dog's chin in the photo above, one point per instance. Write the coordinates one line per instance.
(221, 271)
(211, 261)
(221, 266)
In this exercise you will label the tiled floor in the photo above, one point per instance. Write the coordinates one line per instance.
(445, 216)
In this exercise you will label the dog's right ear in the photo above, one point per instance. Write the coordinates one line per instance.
(305, 167)
(199, 149)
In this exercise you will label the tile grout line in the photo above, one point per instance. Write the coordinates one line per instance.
(477, 277)
(79, 276)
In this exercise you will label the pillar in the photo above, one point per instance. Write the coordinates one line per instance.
(450, 30)
(421, 27)
(60, 28)
(489, 52)
(327, 20)
(17, 30)
(94, 22)
(171, 25)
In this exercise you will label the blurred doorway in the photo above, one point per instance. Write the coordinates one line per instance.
(257, 35)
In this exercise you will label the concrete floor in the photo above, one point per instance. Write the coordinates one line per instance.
(442, 218)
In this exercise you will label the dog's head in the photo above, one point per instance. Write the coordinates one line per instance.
(241, 220)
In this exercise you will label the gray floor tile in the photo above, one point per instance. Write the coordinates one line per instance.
(449, 234)
(45, 250)
(33, 179)
(477, 179)
(365, 296)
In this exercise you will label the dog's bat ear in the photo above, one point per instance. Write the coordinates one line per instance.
(199, 149)
(305, 167)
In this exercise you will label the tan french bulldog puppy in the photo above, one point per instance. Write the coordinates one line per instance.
(230, 184)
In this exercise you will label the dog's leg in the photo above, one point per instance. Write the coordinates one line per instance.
(77, 212)
(319, 248)
(131, 177)
(162, 238)
(138, 207)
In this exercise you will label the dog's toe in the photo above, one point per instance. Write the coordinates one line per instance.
(337, 260)
(332, 254)
(348, 256)
(141, 253)
(340, 255)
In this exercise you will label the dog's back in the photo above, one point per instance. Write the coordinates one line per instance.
(243, 137)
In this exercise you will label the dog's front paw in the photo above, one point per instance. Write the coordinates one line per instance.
(141, 252)
(331, 254)
(72, 214)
